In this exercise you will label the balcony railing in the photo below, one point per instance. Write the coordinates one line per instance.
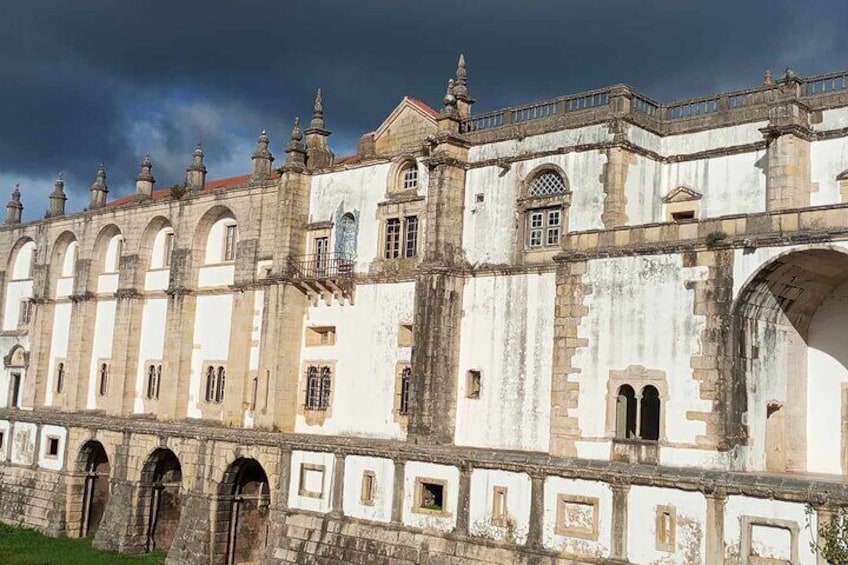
(323, 274)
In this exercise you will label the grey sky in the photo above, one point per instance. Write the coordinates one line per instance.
(85, 82)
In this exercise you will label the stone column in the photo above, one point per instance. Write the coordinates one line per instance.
(112, 535)
(715, 527)
(126, 342)
(236, 400)
(397, 491)
(338, 485)
(620, 493)
(192, 540)
(535, 533)
(463, 509)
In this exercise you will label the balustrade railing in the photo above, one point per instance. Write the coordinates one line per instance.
(320, 266)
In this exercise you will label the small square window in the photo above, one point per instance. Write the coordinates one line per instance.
(499, 508)
(683, 215)
(577, 517)
(52, 447)
(474, 380)
(320, 335)
(405, 335)
(2, 440)
(311, 481)
(430, 496)
(536, 220)
(369, 483)
(479, 197)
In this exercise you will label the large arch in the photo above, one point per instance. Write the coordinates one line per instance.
(151, 248)
(106, 253)
(160, 498)
(242, 513)
(789, 362)
(21, 259)
(209, 238)
(63, 257)
(91, 491)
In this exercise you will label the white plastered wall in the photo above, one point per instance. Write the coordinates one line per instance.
(212, 323)
(45, 461)
(59, 347)
(101, 350)
(366, 355)
(775, 543)
(154, 315)
(324, 503)
(23, 443)
(518, 495)
(600, 547)
(828, 158)
(507, 334)
(690, 534)
(640, 312)
(19, 286)
(442, 522)
(380, 510)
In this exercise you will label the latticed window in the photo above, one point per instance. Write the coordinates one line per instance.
(547, 184)
(544, 227)
(410, 245)
(410, 177)
(392, 238)
(405, 384)
(318, 383)
(401, 237)
(154, 376)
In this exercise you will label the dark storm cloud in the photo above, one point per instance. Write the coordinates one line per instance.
(85, 82)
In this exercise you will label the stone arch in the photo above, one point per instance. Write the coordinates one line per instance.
(63, 264)
(397, 170)
(536, 173)
(21, 259)
(206, 229)
(18, 358)
(90, 488)
(347, 229)
(151, 247)
(106, 254)
(769, 395)
(242, 513)
(160, 498)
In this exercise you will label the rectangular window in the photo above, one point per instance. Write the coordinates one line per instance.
(544, 227)
(683, 216)
(410, 178)
(154, 376)
(169, 247)
(311, 480)
(666, 524)
(104, 379)
(366, 495)
(318, 382)
(320, 335)
(215, 382)
(15, 390)
(404, 391)
(230, 243)
(321, 258)
(430, 495)
(25, 312)
(411, 238)
(499, 512)
(392, 250)
(474, 381)
(52, 447)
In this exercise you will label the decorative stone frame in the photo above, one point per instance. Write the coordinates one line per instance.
(316, 417)
(50, 439)
(317, 230)
(210, 410)
(563, 529)
(369, 478)
(637, 377)
(527, 203)
(419, 497)
(18, 358)
(400, 206)
(394, 180)
(680, 200)
(301, 484)
(402, 419)
(502, 518)
(670, 544)
(150, 404)
(748, 522)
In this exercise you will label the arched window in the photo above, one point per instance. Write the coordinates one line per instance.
(318, 383)
(649, 419)
(346, 237)
(548, 183)
(60, 377)
(154, 376)
(210, 383)
(409, 176)
(104, 379)
(625, 412)
(219, 385)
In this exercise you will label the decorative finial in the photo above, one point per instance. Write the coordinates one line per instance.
(295, 134)
(767, 78)
(461, 86)
(100, 177)
(198, 150)
(317, 112)
(14, 207)
(16, 194)
(146, 163)
(450, 99)
(789, 74)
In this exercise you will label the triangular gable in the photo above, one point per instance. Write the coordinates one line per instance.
(407, 105)
(681, 194)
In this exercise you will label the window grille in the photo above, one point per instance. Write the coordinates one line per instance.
(405, 389)
(411, 243)
(60, 377)
(230, 243)
(318, 383)
(401, 237)
(393, 238)
(547, 184)
(544, 227)
(410, 177)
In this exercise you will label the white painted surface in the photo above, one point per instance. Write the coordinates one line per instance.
(739, 506)
(16, 291)
(23, 261)
(555, 486)
(633, 298)
(714, 138)
(215, 241)
(112, 261)
(59, 349)
(45, 461)
(7, 440)
(507, 334)
(23, 443)
(298, 501)
(836, 118)
(101, 351)
(216, 275)
(154, 315)
(380, 510)
(157, 280)
(546, 141)
(366, 355)
(518, 493)
(690, 535)
(255, 352)
(107, 283)
(69, 260)
(212, 322)
(828, 158)
(157, 256)
(442, 522)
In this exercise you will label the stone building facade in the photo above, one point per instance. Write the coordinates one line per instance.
(590, 329)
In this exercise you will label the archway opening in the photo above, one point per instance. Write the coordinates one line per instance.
(243, 507)
(789, 394)
(94, 463)
(161, 482)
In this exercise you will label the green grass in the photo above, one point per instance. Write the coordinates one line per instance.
(20, 546)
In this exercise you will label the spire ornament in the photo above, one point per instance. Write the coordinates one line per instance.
(57, 198)
(99, 189)
(196, 171)
(317, 112)
(262, 158)
(295, 149)
(14, 208)
(144, 181)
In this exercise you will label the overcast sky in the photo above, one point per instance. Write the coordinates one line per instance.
(91, 81)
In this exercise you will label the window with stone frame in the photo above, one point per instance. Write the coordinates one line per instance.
(168, 249)
(60, 377)
(103, 372)
(637, 416)
(544, 198)
(409, 177)
(319, 380)
(404, 390)
(401, 238)
(230, 239)
(154, 377)
(216, 378)
(25, 312)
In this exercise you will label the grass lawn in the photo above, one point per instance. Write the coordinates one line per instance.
(19, 546)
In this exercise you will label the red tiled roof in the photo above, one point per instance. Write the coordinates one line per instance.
(433, 113)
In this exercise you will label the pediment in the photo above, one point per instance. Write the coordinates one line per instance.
(406, 128)
(681, 194)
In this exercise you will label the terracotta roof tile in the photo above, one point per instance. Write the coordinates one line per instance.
(433, 113)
